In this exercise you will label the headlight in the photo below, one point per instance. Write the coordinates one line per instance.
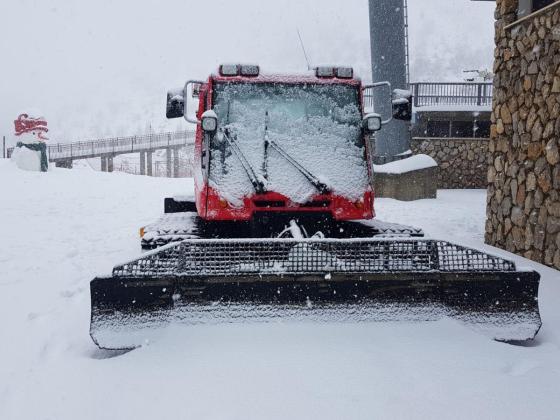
(249, 70)
(209, 124)
(373, 122)
(345, 72)
(324, 71)
(229, 70)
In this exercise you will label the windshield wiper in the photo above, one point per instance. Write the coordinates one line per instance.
(257, 184)
(321, 187)
(266, 144)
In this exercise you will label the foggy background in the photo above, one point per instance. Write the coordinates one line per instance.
(102, 68)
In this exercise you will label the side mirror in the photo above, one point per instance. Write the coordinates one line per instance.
(402, 105)
(175, 104)
(209, 122)
(372, 122)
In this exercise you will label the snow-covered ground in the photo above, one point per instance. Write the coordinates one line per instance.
(61, 228)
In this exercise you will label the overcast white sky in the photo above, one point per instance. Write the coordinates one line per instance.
(99, 68)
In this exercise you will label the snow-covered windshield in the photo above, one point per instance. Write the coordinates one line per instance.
(315, 104)
(317, 125)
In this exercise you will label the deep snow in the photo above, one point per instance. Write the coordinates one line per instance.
(61, 228)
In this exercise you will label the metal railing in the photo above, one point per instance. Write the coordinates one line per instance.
(444, 94)
(455, 94)
(116, 145)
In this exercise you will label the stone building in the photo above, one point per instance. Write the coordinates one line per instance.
(524, 170)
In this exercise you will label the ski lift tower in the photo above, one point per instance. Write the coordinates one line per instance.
(389, 62)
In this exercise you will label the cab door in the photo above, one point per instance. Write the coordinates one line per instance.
(202, 156)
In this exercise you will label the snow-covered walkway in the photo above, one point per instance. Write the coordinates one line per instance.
(61, 228)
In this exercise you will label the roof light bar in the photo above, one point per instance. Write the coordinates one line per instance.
(324, 71)
(250, 70)
(229, 70)
(345, 72)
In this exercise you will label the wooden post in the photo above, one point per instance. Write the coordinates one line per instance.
(168, 161)
(149, 163)
(176, 163)
(142, 163)
(4, 147)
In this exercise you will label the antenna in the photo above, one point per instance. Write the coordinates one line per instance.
(303, 48)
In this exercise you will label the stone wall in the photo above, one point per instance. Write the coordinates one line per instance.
(462, 162)
(524, 170)
(408, 186)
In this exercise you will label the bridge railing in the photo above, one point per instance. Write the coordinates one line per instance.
(444, 94)
(116, 145)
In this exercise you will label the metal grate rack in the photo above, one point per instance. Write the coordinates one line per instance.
(289, 256)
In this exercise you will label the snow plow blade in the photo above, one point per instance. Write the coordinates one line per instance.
(324, 280)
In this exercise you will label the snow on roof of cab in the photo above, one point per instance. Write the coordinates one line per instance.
(287, 78)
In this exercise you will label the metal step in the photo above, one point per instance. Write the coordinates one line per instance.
(176, 227)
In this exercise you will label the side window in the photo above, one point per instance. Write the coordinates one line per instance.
(437, 129)
(539, 4)
(462, 129)
(482, 129)
(526, 7)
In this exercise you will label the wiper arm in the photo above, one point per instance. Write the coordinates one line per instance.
(321, 187)
(257, 184)
(266, 145)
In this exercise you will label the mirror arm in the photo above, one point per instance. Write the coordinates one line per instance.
(378, 84)
(186, 113)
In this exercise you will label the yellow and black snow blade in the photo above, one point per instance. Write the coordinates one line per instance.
(324, 280)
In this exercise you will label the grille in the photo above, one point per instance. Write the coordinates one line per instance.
(323, 203)
(268, 203)
(289, 256)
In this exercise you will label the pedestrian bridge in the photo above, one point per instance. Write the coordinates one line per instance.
(63, 154)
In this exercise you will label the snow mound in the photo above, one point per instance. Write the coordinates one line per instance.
(413, 163)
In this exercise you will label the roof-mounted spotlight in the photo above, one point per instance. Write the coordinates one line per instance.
(249, 70)
(229, 70)
(324, 71)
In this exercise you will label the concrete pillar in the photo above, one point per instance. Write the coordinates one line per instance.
(142, 163)
(109, 163)
(175, 163)
(168, 161)
(103, 164)
(149, 163)
(388, 62)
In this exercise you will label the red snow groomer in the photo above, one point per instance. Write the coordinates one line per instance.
(281, 225)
